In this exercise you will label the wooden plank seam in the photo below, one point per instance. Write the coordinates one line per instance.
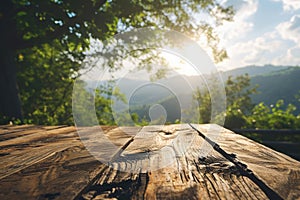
(271, 194)
(89, 186)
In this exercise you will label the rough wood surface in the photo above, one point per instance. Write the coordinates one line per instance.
(54, 165)
(280, 172)
(172, 163)
(153, 162)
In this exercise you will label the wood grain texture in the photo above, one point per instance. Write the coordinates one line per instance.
(11, 129)
(35, 137)
(279, 171)
(153, 162)
(25, 152)
(56, 167)
(10, 134)
(183, 170)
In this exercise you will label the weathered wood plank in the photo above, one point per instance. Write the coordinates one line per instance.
(61, 174)
(171, 162)
(35, 137)
(19, 156)
(13, 129)
(201, 177)
(4, 129)
(44, 144)
(18, 161)
(278, 171)
(155, 162)
(58, 176)
(26, 131)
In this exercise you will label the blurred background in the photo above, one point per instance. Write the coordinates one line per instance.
(46, 45)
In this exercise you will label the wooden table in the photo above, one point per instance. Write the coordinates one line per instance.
(153, 162)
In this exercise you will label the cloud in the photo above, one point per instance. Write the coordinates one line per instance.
(277, 44)
(290, 30)
(266, 49)
(241, 25)
(294, 52)
(289, 5)
(290, 57)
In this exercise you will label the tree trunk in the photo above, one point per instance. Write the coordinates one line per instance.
(9, 102)
(10, 105)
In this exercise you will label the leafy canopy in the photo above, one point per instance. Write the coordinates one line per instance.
(241, 113)
(49, 39)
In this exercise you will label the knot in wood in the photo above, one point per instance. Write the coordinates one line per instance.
(168, 131)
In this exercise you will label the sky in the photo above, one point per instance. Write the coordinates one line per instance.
(263, 32)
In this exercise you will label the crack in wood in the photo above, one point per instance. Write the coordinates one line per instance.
(72, 172)
(242, 168)
(127, 189)
(113, 189)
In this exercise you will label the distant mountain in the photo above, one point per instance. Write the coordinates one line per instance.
(283, 84)
(253, 70)
(175, 93)
(274, 83)
(171, 106)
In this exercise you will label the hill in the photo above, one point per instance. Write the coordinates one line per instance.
(175, 93)
(253, 70)
(282, 84)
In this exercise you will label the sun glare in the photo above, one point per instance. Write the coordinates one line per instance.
(179, 64)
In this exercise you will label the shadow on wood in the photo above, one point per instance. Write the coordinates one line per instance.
(153, 162)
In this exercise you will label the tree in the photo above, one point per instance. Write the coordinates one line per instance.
(273, 117)
(239, 103)
(235, 117)
(238, 100)
(238, 92)
(106, 95)
(241, 113)
(45, 79)
(67, 26)
(203, 106)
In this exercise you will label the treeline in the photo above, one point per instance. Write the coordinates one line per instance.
(43, 51)
(45, 43)
(242, 113)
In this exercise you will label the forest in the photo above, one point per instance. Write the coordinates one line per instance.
(45, 44)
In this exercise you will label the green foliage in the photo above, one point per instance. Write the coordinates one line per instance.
(235, 118)
(238, 96)
(203, 106)
(83, 105)
(104, 101)
(241, 113)
(238, 93)
(86, 104)
(45, 79)
(273, 117)
(282, 84)
(48, 40)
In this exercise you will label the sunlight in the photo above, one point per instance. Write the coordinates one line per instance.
(179, 65)
(195, 53)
